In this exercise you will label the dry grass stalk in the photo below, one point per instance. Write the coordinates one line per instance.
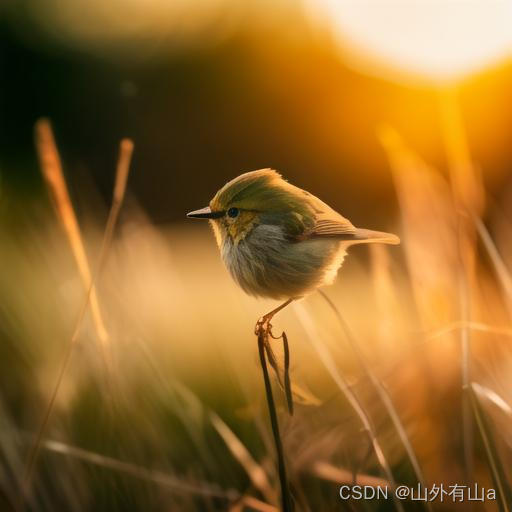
(502, 272)
(503, 491)
(469, 200)
(388, 307)
(466, 182)
(349, 394)
(122, 171)
(493, 397)
(126, 149)
(51, 169)
(442, 274)
(332, 473)
(286, 498)
(253, 504)
(150, 475)
(427, 214)
(383, 395)
(393, 365)
(473, 326)
(255, 472)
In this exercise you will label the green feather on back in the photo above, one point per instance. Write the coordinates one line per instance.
(266, 192)
(300, 214)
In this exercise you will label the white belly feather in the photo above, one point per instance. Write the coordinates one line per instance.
(267, 264)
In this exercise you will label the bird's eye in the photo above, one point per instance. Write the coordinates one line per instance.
(233, 212)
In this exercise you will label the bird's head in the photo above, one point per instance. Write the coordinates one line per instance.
(254, 198)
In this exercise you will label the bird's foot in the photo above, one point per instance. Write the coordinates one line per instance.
(263, 327)
(263, 330)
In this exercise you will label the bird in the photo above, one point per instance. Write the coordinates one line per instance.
(279, 241)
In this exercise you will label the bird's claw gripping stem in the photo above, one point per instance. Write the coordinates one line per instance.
(263, 330)
(263, 327)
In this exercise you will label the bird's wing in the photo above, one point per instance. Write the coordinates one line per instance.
(329, 223)
(333, 227)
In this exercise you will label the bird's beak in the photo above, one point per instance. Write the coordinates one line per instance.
(205, 213)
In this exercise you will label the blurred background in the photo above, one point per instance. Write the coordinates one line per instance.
(397, 114)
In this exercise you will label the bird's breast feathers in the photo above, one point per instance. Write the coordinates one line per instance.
(266, 263)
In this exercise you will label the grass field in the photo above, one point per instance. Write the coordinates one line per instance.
(161, 405)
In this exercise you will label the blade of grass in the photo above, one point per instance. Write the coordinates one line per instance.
(332, 473)
(258, 505)
(51, 169)
(438, 334)
(382, 392)
(174, 390)
(469, 200)
(126, 149)
(500, 268)
(493, 397)
(473, 326)
(349, 394)
(150, 475)
(464, 276)
(287, 383)
(286, 500)
(504, 492)
(254, 470)
(466, 182)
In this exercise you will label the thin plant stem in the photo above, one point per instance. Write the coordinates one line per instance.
(349, 394)
(160, 478)
(286, 500)
(499, 265)
(284, 382)
(438, 334)
(126, 149)
(254, 470)
(472, 326)
(382, 392)
(465, 338)
(287, 382)
(52, 172)
(252, 503)
(497, 472)
(327, 471)
(468, 200)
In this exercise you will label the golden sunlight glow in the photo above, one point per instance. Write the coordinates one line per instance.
(138, 24)
(430, 39)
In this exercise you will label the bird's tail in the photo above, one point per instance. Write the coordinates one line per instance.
(367, 236)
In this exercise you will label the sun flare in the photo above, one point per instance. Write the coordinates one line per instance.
(433, 40)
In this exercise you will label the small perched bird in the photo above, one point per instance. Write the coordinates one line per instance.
(278, 240)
